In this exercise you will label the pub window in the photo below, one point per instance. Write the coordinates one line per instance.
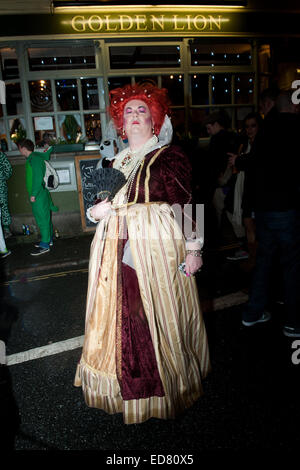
(199, 88)
(44, 130)
(174, 83)
(92, 125)
(155, 56)
(14, 102)
(62, 57)
(117, 82)
(70, 127)
(17, 130)
(220, 54)
(3, 135)
(40, 96)
(221, 88)
(90, 96)
(244, 88)
(67, 94)
(9, 63)
(146, 78)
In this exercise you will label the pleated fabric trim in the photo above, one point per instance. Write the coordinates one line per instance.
(103, 391)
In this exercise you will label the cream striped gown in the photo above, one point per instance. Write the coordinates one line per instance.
(170, 300)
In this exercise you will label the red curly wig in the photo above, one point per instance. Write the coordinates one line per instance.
(156, 99)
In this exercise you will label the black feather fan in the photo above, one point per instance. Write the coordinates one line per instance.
(108, 181)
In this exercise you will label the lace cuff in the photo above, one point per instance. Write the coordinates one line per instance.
(89, 216)
(194, 243)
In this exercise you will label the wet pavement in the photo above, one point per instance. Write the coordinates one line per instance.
(251, 397)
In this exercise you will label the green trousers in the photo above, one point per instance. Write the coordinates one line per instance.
(42, 209)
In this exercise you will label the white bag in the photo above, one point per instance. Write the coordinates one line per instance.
(51, 177)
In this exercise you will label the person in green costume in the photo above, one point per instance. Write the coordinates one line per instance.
(39, 196)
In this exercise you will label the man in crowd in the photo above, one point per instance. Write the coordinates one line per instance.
(277, 210)
(39, 196)
(222, 142)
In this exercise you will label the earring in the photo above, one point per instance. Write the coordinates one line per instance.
(153, 132)
(123, 133)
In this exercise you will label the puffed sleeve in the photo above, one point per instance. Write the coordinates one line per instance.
(176, 173)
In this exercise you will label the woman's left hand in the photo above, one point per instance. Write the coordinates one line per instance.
(192, 264)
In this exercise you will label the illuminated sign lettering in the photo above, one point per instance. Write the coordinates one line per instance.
(147, 23)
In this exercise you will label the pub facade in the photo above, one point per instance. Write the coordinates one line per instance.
(60, 60)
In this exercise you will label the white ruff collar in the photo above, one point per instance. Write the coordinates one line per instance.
(164, 138)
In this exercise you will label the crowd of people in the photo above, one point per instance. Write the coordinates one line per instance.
(145, 351)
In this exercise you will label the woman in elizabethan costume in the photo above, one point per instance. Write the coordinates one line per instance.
(145, 350)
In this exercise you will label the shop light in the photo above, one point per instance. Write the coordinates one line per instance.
(105, 3)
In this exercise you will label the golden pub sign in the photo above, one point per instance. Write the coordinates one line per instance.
(145, 22)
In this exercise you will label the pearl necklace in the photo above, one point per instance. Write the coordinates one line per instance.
(129, 163)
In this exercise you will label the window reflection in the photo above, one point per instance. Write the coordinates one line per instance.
(17, 131)
(221, 54)
(44, 131)
(244, 88)
(61, 57)
(144, 56)
(90, 95)
(70, 127)
(9, 63)
(93, 127)
(3, 136)
(174, 84)
(199, 86)
(147, 79)
(14, 103)
(221, 88)
(117, 82)
(67, 94)
(40, 96)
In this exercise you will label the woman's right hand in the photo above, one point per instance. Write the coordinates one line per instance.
(100, 210)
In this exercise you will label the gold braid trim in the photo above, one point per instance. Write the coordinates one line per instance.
(148, 172)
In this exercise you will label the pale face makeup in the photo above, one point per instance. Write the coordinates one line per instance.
(137, 121)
